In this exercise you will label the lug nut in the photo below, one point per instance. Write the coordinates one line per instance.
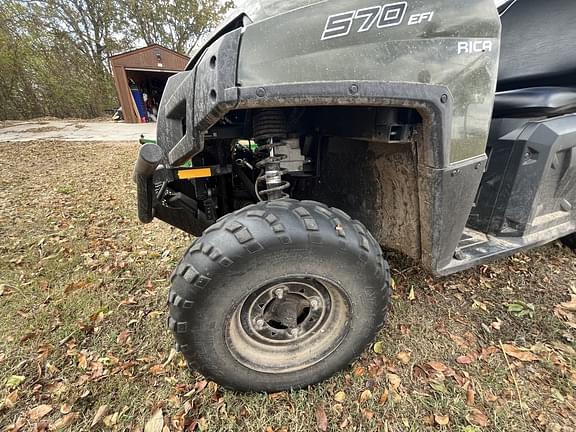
(279, 293)
(294, 332)
(314, 303)
(260, 322)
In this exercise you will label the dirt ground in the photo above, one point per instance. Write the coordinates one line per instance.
(101, 130)
(84, 345)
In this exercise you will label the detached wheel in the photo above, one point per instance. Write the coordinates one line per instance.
(570, 241)
(278, 296)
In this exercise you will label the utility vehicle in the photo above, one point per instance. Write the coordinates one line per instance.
(306, 134)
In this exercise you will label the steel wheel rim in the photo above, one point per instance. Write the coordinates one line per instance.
(288, 324)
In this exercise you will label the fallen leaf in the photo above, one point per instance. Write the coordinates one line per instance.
(38, 412)
(28, 336)
(154, 314)
(122, 337)
(470, 396)
(521, 309)
(441, 420)
(571, 305)
(42, 426)
(82, 361)
(366, 395)
(202, 424)
(157, 369)
(368, 414)
(428, 420)
(156, 422)
(520, 354)
(15, 427)
(321, 419)
(171, 357)
(65, 408)
(384, 397)
(5, 290)
(437, 366)
(394, 380)
(278, 395)
(460, 341)
(340, 396)
(438, 387)
(199, 386)
(100, 413)
(10, 400)
(75, 286)
(465, 359)
(555, 393)
(378, 347)
(65, 421)
(487, 352)
(111, 420)
(404, 357)
(337, 408)
(479, 305)
(490, 397)
(566, 311)
(404, 329)
(477, 417)
(15, 381)
(412, 294)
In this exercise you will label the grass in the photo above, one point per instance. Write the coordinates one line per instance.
(82, 312)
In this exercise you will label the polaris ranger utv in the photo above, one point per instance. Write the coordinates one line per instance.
(306, 134)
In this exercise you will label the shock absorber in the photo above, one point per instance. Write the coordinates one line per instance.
(269, 129)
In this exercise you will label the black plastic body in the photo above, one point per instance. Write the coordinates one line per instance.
(538, 44)
(530, 182)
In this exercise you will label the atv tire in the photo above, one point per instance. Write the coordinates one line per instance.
(570, 241)
(278, 296)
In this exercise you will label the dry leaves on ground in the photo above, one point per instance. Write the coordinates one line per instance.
(521, 354)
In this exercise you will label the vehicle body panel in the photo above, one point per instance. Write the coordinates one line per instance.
(288, 49)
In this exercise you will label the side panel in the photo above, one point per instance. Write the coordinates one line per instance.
(434, 43)
(530, 184)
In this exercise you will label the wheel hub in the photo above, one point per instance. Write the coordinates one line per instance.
(285, 311)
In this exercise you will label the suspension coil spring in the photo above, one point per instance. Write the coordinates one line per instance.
(269, 129)
(271, 174)
(269, 123)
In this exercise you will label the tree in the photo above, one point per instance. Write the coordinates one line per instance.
(54, 53)
(176, 24)
(44, 71)
(93, 26)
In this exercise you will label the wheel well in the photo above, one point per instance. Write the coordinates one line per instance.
(361, 159)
